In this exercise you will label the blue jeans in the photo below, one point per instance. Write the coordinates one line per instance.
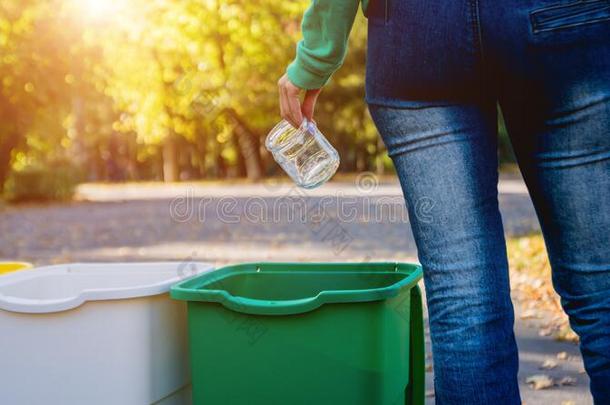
(436, 70)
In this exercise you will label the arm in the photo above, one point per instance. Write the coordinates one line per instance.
(326, 27)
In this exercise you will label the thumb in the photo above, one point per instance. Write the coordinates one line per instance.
(309, 103)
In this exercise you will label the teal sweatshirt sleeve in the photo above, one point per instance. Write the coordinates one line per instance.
(326, 27)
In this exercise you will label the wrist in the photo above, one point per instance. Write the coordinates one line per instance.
(304, 78)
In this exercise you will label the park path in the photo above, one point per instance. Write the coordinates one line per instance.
(157, 222)
(362, 220)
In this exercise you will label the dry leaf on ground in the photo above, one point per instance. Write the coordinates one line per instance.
(562, 355)
(567, 381)
(546, 331)
(540, 381)
(532, 287)
(530, 314)
(548, 364)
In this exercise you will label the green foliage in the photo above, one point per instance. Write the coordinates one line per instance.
(42, 183)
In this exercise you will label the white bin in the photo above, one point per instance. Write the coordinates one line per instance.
(94, 334)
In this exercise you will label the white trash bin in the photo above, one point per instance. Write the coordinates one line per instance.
(94, 334)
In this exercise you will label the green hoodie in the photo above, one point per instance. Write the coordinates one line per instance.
(326, 27)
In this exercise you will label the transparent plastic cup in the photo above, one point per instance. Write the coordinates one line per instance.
(303, 153)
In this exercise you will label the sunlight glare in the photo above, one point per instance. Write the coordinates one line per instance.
(103, 8)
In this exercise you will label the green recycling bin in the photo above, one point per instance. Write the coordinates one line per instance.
(306, 333)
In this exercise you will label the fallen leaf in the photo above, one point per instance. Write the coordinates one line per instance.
(540, 381)
(428, 368)
(566, 334)
(562, 356)
(430, 393)
(568, 403)
(548, 364)
(529, 314)
(545, 332)
(567, 381)
(532, 287)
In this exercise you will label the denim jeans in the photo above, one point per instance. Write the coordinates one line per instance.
(436, 71)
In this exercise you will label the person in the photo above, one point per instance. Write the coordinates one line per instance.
(436, 71)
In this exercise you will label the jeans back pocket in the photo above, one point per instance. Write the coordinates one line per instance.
(574, 14)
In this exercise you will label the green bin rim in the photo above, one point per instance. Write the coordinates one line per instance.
(192, 289)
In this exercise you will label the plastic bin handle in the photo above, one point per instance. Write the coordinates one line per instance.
(261, 304)
(265, 307)
(254, 306)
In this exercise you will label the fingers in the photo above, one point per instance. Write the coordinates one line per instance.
(283, 104)
(290, 105)
(309, 103)
(294, 106)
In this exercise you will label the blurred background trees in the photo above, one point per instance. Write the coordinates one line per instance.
(160, 90)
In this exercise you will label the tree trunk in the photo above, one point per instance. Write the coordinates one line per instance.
(170, 160)
(221, 166)
(7, 144)
(79, 147)
(361, 159)
(13, 126)
(202, 151)
(239, 170)
(379, 166)
(249, 146)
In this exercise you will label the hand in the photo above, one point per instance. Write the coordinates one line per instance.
(290, 104)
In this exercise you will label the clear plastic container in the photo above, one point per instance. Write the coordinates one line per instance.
(304, 153)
